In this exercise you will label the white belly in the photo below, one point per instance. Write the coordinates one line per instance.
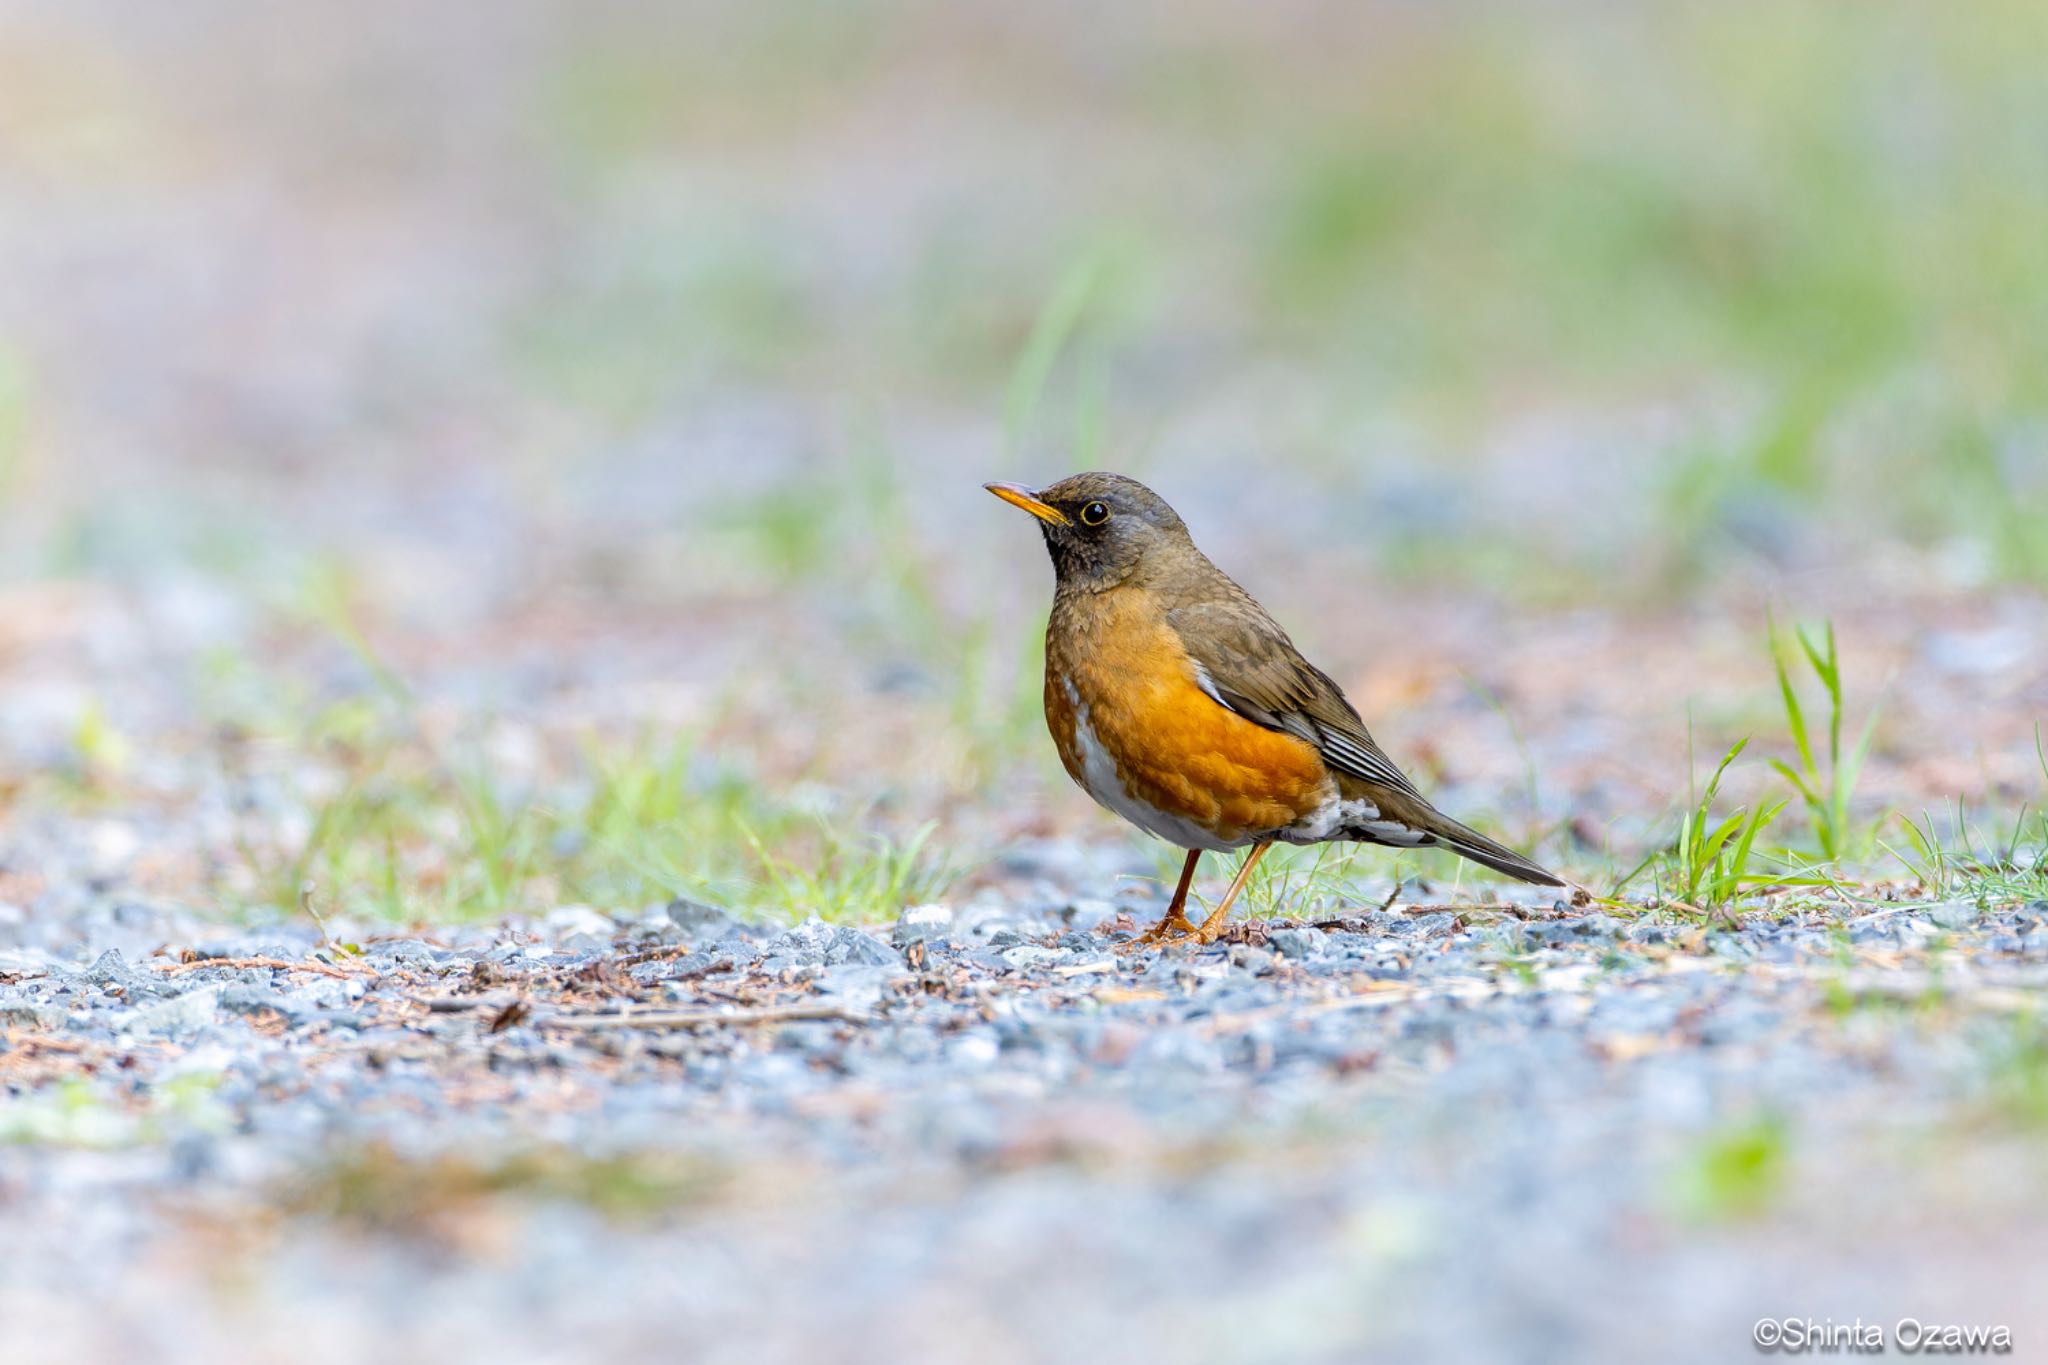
(1100, 780)
(1334, 819)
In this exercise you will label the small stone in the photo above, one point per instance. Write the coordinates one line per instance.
(18, 1009)
(1954, 914)
(109, 969)
(858, 984)
(193, 1009)
(698, 920)
(1028, 955)
(922, 922)
(1164, 970)
(1295, 943)
(408, 952)
(1733, 945)
(245, 999)
(850, 945)
(807, 942)
(1508, 936)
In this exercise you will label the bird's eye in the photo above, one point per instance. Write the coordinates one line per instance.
(1094, 514)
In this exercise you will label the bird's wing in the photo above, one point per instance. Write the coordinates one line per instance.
(1247, 663)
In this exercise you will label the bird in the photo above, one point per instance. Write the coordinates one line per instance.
(1177, 702)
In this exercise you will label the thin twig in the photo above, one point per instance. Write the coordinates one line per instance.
(774, 1014)
(652, 955)
(17, 1041)
(271, 963)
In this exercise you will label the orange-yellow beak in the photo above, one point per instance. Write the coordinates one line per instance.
(1017, 495)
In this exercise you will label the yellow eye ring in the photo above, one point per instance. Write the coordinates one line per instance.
(1094, 514)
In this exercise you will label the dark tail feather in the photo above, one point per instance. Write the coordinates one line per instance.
(1470, 843)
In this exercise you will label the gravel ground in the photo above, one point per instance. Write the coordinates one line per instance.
(386, 404)
(1434, 1132)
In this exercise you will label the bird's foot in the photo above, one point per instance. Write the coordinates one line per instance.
(1172, 929)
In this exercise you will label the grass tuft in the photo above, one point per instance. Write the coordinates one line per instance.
(1737, 1171)
(378, 1189)
(2018, 1074)
(845, 878)
(1710, 862)
(1825, 791)
(1309, 883)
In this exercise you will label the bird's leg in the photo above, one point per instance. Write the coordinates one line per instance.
(1175, 922)
(1212, 928)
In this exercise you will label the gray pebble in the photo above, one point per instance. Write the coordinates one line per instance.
(922, 922)
(852, 945)
(807, 942)
(697, 920)
(180, 1014)
(1295, 943)
(1438, 925)
(1954, 914)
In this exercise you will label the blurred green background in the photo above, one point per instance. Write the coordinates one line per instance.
(635, 366)
(1677, 274)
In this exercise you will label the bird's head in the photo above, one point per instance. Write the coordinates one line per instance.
(1101, 529)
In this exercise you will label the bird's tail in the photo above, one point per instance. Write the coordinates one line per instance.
(1404, 819)
(1470, 843)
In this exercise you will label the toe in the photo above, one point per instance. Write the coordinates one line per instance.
(1169, 931)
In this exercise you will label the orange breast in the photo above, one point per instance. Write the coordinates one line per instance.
(1116, 674)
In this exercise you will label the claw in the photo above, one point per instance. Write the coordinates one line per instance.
(1175, 925)
(1172, 929)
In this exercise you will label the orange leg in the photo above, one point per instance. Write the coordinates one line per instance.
(1175, 922)
(1212, 928)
